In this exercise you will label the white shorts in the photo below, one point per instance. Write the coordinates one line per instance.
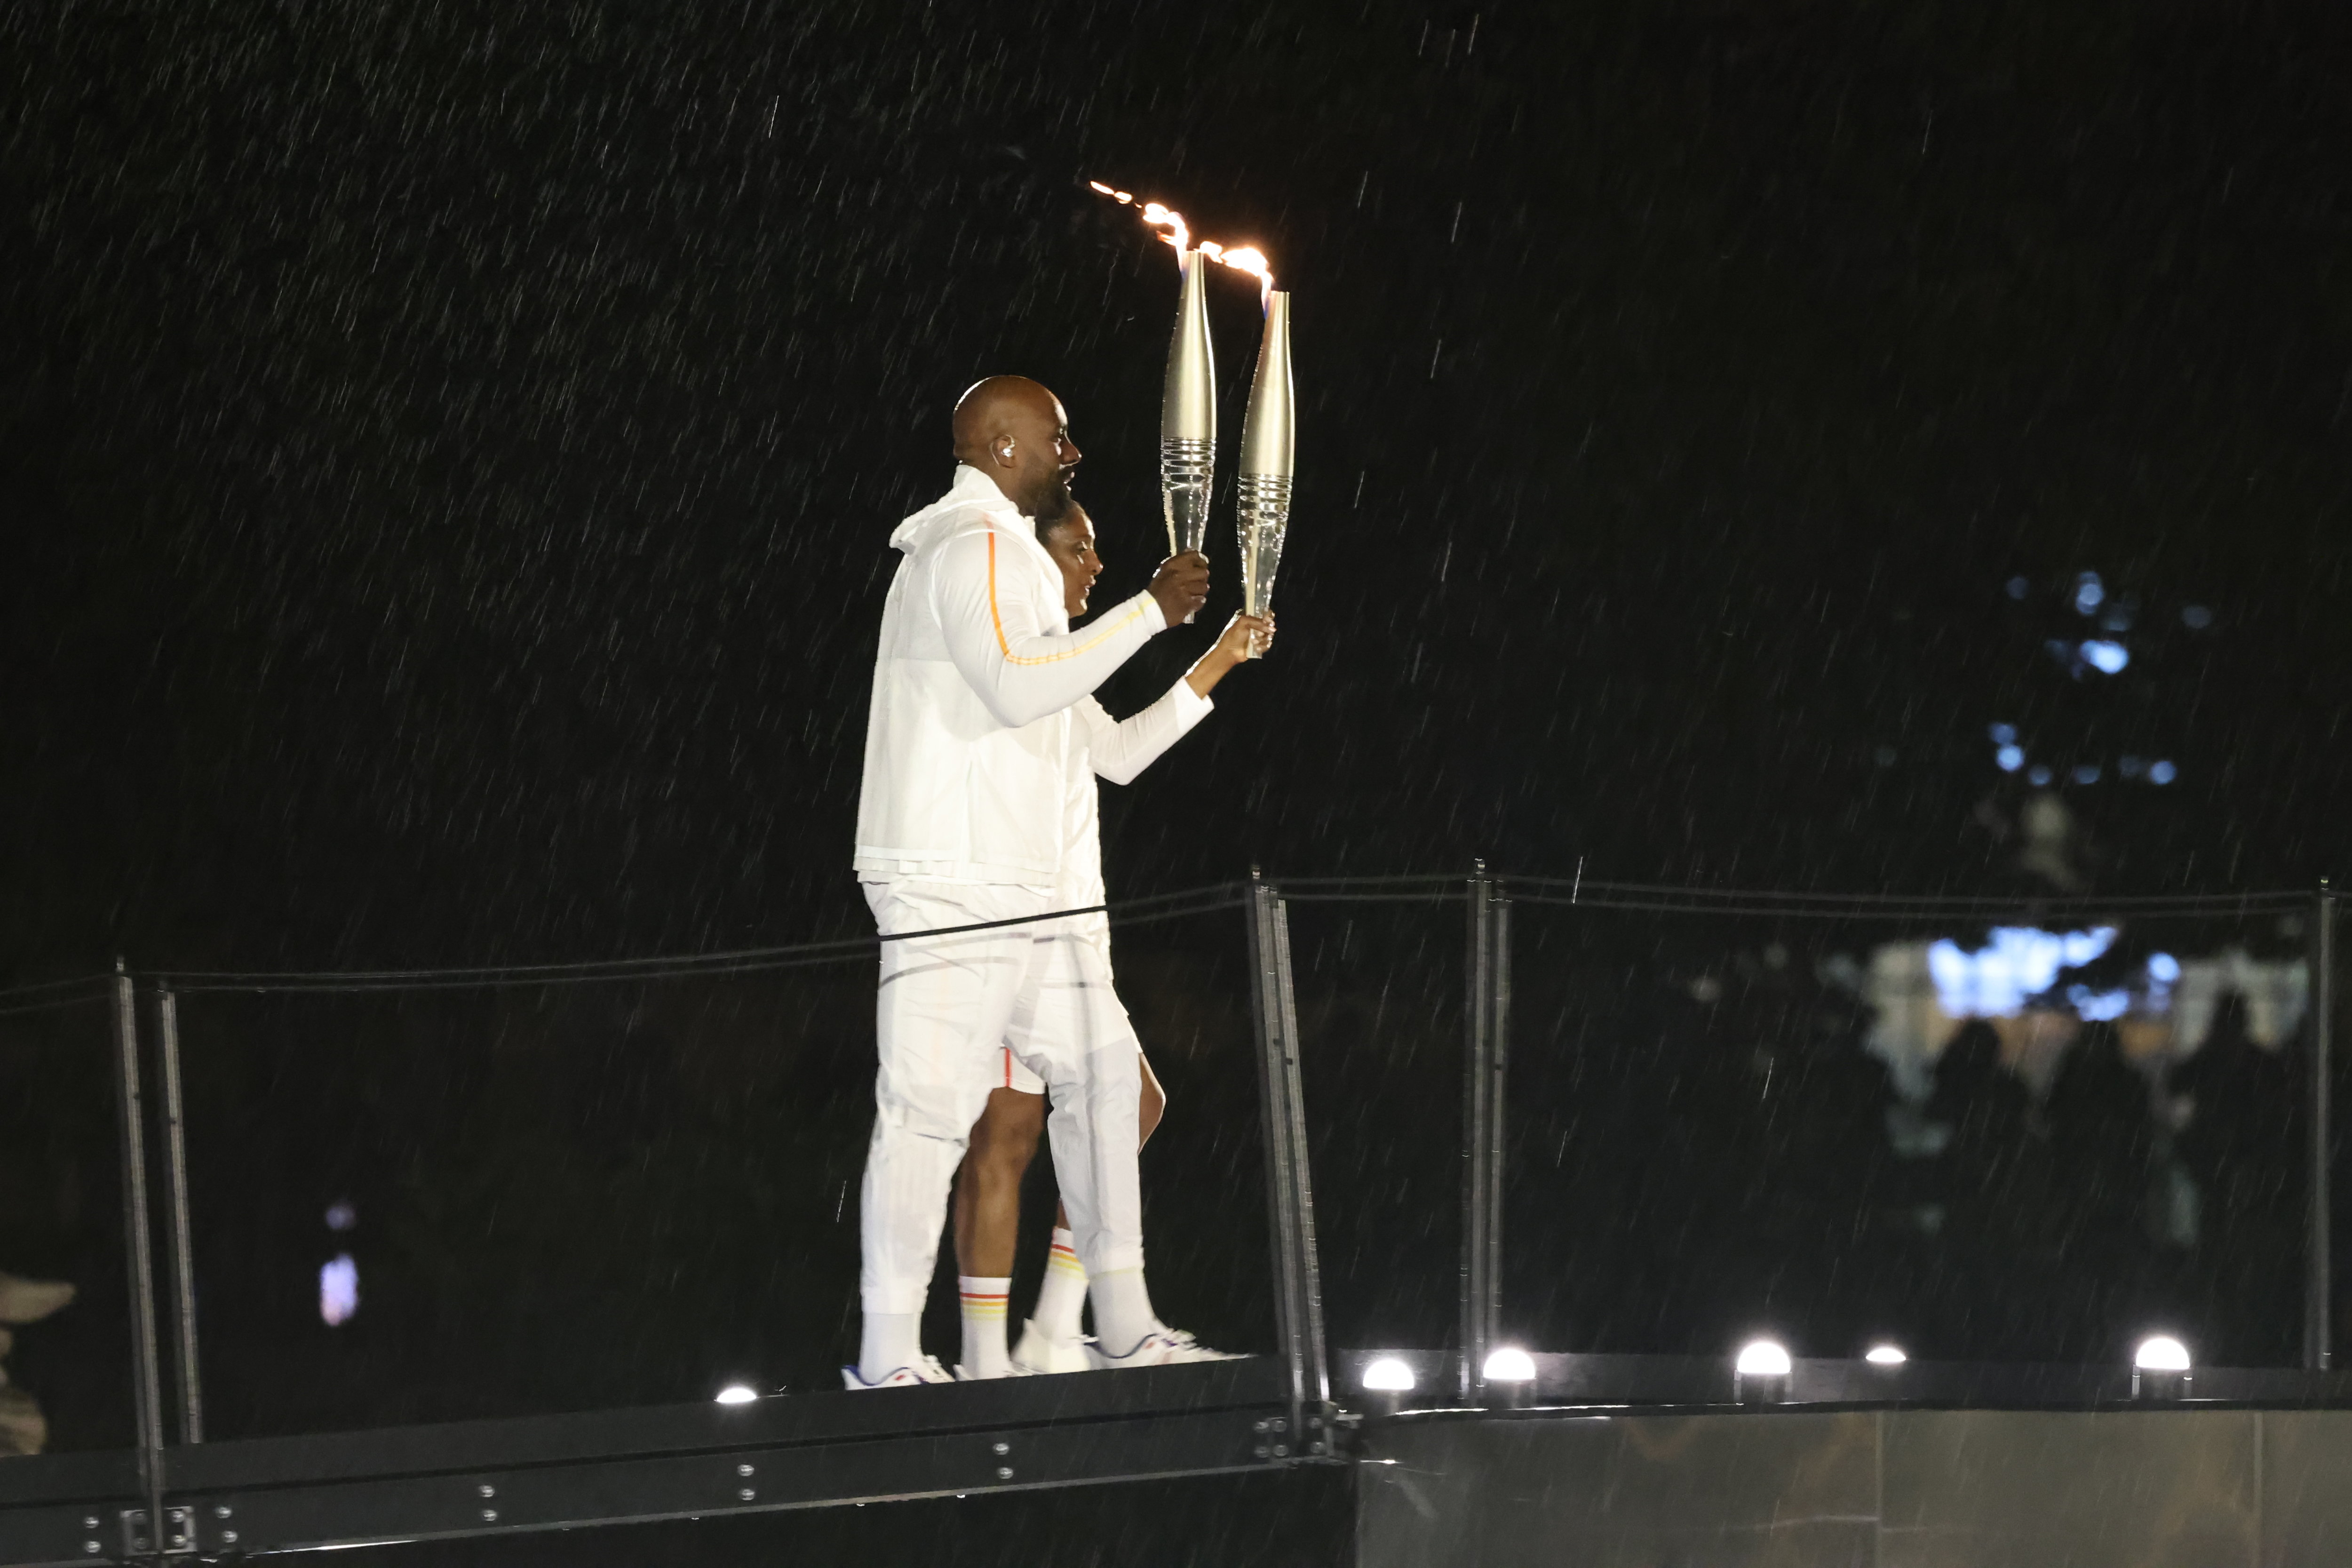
(1071, 973)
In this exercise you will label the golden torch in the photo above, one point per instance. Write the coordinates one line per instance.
(1188, 411)
(1188, 398)
(1264, 512)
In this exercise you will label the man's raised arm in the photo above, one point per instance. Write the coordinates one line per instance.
(993, 615)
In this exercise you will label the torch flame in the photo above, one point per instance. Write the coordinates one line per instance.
(1178, 235)
(1241, 258)
(1250, 260)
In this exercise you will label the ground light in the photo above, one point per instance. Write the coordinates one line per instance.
(2161, 1368)
(737, 1393)
(1510, 1376)
(1386, 1382)
(1884, 1355)
(1760, 1372)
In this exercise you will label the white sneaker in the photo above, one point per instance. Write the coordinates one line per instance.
(964, 1374)
(1040, 1353)
(926, 1369)
(1161, 1347)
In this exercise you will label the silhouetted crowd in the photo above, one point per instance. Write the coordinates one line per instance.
(1699, 1158)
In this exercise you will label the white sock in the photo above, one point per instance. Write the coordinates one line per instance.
(890, 1341)
(1063, 1297)
(1122, 1310)
(984, 1325)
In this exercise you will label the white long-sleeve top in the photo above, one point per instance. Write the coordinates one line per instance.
(1117, 750)
(967, 739)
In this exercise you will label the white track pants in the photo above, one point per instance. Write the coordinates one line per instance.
(945, 1005)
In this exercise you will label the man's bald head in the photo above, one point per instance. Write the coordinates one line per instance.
(1015, 431)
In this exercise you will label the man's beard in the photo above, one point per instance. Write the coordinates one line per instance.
(1053, 503)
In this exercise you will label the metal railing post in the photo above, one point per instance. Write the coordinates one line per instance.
(1498, 1029)
(2318, 1288)
(1481, 1132)
(146, 1372)
(183, 1248)
(1290, 1197)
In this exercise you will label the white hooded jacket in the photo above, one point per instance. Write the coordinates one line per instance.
(967, 740)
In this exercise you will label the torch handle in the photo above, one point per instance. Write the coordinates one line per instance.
(1263, 519)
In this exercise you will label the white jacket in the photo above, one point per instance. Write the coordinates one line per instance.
(1117, 750)
(967, 739)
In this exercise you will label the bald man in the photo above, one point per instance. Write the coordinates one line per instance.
(959, 823)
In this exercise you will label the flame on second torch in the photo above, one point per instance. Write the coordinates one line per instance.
(1241, 258)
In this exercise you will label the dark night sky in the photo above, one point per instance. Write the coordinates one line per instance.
(448, 451)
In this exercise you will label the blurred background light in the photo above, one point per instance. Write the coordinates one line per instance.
(2098, 1007)
(2106, 656)
(339, 1290)
(2022, 962)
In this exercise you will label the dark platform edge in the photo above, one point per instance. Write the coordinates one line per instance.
(660, 1462)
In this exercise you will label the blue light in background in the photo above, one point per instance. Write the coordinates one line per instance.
(2037, 775)
(2196, 617)
(2008, 759)
(2003, 734)
(2021, 963)
(2098, 1007)
(2164, 967)
(2089, 593)
(339, 1290)
(2161, 772)
(2087, 774)
(2107, 658)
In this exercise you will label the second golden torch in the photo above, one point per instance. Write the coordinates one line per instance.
(1264, 512)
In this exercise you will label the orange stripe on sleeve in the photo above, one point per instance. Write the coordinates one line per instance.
(996, 620)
